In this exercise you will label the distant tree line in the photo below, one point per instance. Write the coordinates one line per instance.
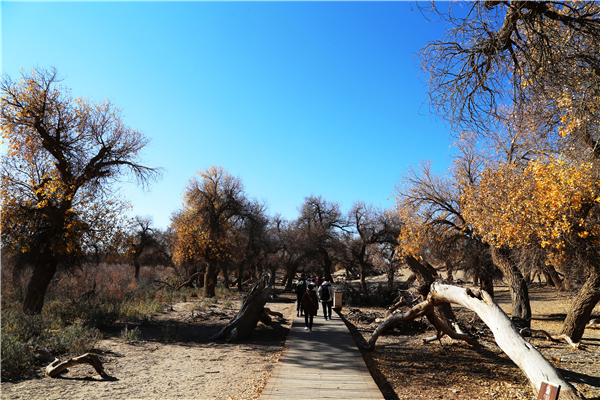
(518, 84)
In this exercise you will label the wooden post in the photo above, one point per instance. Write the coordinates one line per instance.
(548, 392)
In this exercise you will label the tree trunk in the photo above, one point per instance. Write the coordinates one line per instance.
(431, 270)
(210, 280)
(582, 307)
(390, 276)
(549, 281)
(521, 309)
(136, 267)
(449, 271)
(555, 278)
(225, 271)
(535, 366)
(252, 311)
(487, 284)
(444, 311)
(363, 282)
(273, 274)
(240, 276)
(327, 266)
(422, 274)
(37, 287)
(290, 275)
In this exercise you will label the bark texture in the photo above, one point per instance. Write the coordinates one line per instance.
(582, 307)
(521, 309)
(252, 311)
(537, 368)
(37, 287)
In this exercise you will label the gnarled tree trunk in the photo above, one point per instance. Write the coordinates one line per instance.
(210, 280)
(426, 278)
(582, 307)
(521, 309)
(553, 278)
(37, 287)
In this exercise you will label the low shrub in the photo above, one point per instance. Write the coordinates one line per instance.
(131, 336)
(74, 339)
(22, 333)
(17, 356)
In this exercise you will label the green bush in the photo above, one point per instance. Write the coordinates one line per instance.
(21, 333)
(101, 314)
(221, 290)
(140, 310)
(75, 339)
(95, 312)
(17, 356)
(23, 326)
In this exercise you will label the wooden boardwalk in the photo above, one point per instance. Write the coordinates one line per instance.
(322, 364)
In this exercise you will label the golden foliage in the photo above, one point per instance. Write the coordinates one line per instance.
(543, 203)
(204, 226)
(61, 153)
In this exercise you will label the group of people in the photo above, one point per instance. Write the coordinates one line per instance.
(308, 298)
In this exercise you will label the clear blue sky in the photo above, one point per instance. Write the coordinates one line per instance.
(294, 98)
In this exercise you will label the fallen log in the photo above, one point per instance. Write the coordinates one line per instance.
(535, 366)
(425, 308)
(199, 276)
(56, 367)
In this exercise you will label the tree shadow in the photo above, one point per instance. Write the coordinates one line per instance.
(576, 377)
(85, 378)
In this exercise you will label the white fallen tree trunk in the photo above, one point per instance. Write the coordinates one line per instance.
(535, 366)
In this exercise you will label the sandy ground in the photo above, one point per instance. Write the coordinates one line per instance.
(175, 361)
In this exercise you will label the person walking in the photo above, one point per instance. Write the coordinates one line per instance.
(310, 305)
(300, 289)
(326, 297)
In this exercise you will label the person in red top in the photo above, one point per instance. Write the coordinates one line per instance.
(310, 305)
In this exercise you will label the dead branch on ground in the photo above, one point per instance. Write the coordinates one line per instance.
(56, 366)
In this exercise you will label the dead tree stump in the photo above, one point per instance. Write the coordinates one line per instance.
(252, 311)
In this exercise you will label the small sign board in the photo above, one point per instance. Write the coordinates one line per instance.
(548, 392)
(337, 301)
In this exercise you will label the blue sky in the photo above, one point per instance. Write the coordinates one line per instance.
(294, 98)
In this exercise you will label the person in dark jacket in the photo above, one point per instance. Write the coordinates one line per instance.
(300, 289)
(310, 305)
(325, 293)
